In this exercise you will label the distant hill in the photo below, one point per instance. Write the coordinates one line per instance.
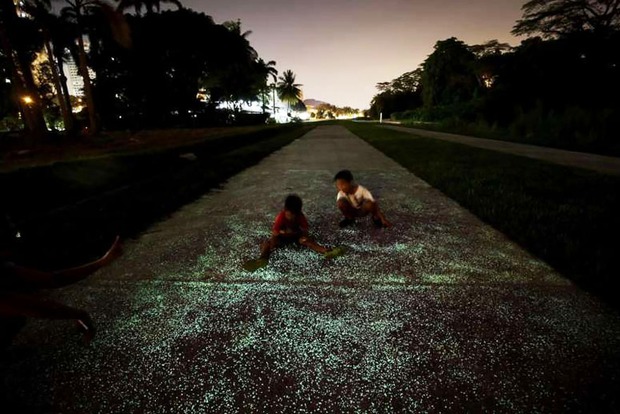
(314, 102)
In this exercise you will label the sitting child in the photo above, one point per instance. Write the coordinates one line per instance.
(289, 227)
(356, 201)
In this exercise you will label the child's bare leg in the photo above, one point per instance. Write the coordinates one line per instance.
(20, 305)
(381, 217)
(376, 213)
(347, 209)
(311, 244)
(268, 246)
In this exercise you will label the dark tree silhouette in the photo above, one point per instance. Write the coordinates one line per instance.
(151, 6)
(288, 90)
(554, 18)
(144, 76)
(19, 41)
(265, 70)
(401, 94)
(449, 74)
(48, 23)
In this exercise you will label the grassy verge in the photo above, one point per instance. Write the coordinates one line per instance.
(16, 152)
(67, 212)
(517, 135)
(566, 216)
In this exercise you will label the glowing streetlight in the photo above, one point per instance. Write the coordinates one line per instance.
(27, 100)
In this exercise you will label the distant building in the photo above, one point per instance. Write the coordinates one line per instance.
(75, 83)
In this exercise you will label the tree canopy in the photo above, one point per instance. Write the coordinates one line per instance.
(448, 74)
(144, 69)
(289, 91)
(556, 18)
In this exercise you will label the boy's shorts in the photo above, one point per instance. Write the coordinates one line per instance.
(286, 240)
(360, 212)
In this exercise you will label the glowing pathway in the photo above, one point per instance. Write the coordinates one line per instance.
(439, 314)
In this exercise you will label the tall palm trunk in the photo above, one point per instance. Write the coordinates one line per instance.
(35, 107)
(274, 99)
(65, 89)
(88, 90)
(67, 115)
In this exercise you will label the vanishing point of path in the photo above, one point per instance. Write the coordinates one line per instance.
(594, 162)
(439, 314)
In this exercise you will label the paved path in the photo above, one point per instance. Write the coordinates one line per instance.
(439, 314)
(600, 163)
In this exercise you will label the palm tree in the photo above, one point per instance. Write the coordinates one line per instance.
(19, 62)
(235, 27)
(288, 90)
(149, 5)
(39, 10)
(266, 69)
(75, 12)
(63, 36)
(273, 72)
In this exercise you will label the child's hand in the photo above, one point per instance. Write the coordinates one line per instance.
(386, 223)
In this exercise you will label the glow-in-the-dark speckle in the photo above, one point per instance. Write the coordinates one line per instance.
(439, 314)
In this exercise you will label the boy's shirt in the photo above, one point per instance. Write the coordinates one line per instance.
(299, 225)
(357, 198)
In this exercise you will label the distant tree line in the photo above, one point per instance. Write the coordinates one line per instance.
(329, 111)
(559, 87)
(142, 67)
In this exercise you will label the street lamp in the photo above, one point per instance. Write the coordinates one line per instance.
(27, 100)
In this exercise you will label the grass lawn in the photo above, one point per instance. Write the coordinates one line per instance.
(15, 153)
(484, 131)
(568, 217)
(68, 211)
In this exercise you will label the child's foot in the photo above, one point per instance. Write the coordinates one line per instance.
(346, 222)
(255, 264)
(335, 252)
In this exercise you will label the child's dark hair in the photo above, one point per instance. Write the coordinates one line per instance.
(344, 175)
(293, 203)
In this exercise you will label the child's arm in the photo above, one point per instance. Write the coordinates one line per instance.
(366, 195)
(64, 277)
(278, 225)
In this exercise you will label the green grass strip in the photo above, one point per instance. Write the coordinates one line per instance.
(568, 217)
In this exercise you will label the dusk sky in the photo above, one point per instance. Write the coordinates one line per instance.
(339, 49)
